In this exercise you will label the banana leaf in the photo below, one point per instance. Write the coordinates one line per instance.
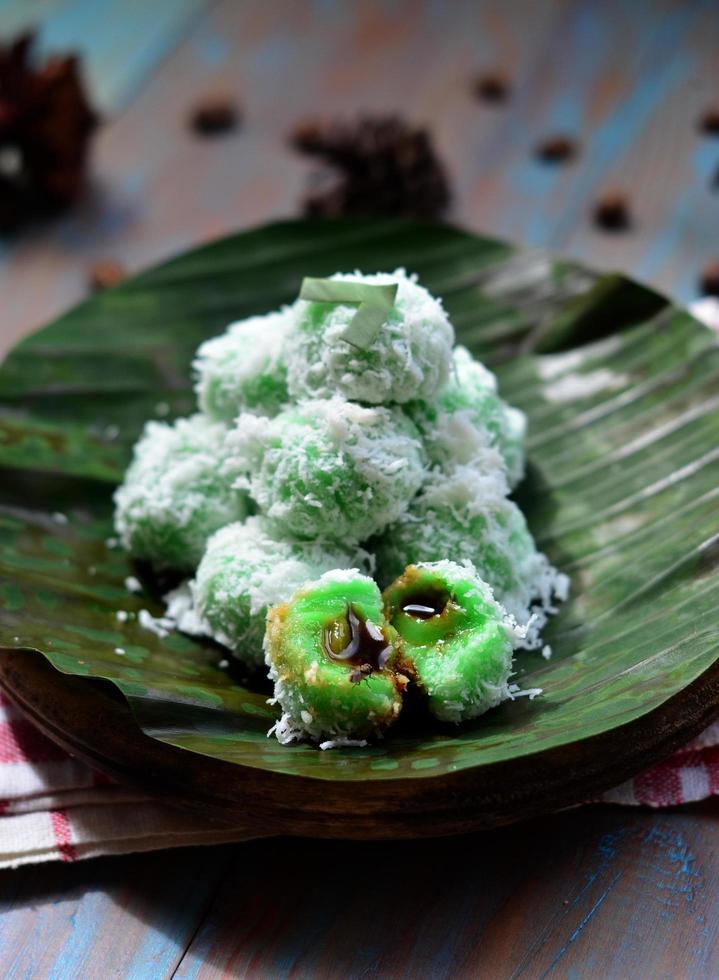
(622, 492)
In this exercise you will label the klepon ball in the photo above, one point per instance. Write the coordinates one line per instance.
(409, 357)
(467, 416)
(329, 468)
(175, 494)
(465, 517)
(244, 369)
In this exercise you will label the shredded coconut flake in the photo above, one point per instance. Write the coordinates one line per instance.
(182, 612)
(515, 691)
(575, 386)
(159, 625)
(343, 743)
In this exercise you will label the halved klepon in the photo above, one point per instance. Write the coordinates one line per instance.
(456, 636)
(335, 663)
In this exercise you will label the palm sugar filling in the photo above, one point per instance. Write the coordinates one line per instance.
(358, 643)
(425, 605)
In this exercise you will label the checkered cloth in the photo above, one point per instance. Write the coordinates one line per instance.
(53, 807)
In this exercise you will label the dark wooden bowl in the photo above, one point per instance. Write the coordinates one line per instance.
(91, 719)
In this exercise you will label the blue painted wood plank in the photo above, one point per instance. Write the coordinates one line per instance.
(597, 892)
(129, 918)
(611, 893)
(628, 81)
(121, 41)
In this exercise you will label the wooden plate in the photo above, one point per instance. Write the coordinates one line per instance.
(89, 719)
(621, 493)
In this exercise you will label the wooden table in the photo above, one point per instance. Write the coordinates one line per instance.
(596, 892)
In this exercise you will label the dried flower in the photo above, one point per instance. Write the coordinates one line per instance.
(45, 127)
(382, 166)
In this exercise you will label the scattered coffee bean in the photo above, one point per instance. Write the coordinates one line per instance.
(105, 274)
(709, 122)
(611, 212)
(309, 136)
(215, 114)
(556, 149)
(709, 279)
(492, 87)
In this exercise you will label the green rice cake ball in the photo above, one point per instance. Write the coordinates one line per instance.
(464, 517)
(244, 369)
(174, 495)
(334, 662)
(457, 637)
(409, 358)
(246, 569)
(330, 468)
(467, 416)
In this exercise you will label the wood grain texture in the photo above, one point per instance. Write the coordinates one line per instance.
(600, 893)
(594, 893)
(629, 80)
(609, 893)
(109, 918)
(121, 41)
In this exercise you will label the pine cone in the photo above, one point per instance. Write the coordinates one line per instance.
(383, 166)
(45, 129)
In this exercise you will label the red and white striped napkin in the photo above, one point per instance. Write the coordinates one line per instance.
(53, 807)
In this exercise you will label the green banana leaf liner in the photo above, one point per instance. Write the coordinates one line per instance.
(622, 394)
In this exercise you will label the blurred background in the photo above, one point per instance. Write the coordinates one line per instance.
(130, 131)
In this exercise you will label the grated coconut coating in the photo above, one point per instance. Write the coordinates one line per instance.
(407, 444)
(328, 468)
(174, 495)
(462, 656)
(468, 415)
(465, 517)
(244, 369)
(410, 357)
(245, 570)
